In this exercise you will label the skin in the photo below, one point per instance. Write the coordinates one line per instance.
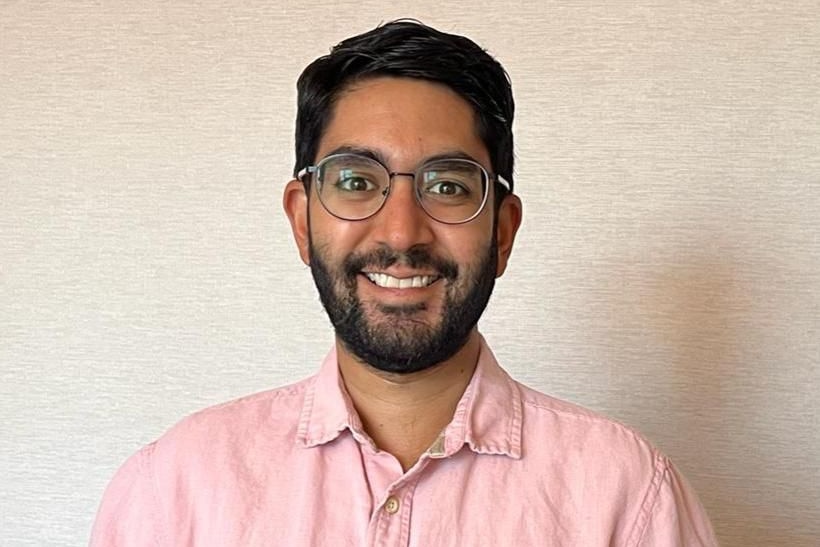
(405, 122)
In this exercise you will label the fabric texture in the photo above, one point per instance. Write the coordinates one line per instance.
(293, 466)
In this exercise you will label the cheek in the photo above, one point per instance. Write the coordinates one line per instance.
(466, 244)
(336, 237)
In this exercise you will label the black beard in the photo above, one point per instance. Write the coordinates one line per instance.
(404, 345)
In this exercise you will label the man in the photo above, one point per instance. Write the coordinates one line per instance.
(410, 434)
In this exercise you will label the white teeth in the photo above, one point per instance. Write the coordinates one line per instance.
(390, 282)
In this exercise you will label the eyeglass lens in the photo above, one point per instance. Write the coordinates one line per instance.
(355, 187)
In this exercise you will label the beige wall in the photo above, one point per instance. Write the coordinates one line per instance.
(667, 272)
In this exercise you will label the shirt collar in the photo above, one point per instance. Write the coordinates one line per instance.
(487, 418)
(327, 409)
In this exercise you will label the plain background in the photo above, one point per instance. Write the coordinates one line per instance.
(667, 272)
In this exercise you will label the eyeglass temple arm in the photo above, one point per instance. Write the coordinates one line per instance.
(310, 169)
(504, 182)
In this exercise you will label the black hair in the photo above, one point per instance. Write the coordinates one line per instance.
(410, 49)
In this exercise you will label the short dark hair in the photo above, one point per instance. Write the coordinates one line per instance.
(410, 49)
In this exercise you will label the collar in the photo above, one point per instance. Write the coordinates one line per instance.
(487, 418)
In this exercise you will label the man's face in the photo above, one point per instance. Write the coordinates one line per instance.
(361, 267)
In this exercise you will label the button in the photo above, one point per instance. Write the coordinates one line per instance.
(391, 505)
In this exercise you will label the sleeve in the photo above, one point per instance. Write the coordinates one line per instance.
(672, 514)
(129, 514)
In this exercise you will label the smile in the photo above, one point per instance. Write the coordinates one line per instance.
(390, 282)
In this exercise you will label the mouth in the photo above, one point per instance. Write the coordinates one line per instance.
(389, 282)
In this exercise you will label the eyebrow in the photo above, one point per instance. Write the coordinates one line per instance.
(376, 155)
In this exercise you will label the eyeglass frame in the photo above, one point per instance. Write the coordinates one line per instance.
(491, 178)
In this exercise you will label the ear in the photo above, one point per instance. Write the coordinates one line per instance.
(509, 219)
(295, 202)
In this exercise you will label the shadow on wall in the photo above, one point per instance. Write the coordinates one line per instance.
(692, 329)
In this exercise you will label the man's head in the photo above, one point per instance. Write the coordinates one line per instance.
(404, 290)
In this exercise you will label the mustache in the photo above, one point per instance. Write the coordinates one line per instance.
(416, 257)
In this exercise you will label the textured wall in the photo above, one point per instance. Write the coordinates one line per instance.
(667, 272)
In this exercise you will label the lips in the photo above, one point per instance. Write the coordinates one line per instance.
(390, 282)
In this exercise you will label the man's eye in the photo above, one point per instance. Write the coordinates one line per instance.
(447, 188)
(353, 183)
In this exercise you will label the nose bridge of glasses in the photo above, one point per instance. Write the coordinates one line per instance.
(393, 174)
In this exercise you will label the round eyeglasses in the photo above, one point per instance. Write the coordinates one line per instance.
(355, 187)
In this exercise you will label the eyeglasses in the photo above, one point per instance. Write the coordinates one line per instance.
(355, 187)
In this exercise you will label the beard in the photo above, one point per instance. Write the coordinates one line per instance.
(392, 338)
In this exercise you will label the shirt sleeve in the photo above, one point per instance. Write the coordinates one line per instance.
(129, 515)
(673, 515)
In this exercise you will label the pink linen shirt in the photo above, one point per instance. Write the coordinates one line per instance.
(293, 467)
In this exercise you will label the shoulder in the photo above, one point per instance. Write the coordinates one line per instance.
(273, 412)
(572, 420)
(199, 462)
(598, 460)
(580, 438)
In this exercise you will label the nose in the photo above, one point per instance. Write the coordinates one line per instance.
(402, 223)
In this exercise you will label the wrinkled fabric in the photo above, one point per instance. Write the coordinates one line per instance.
(294, 467)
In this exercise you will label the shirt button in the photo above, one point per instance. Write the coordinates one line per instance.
(391, 505)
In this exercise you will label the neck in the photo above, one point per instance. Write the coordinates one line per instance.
(405, 413)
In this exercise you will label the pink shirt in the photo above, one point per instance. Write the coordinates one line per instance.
(293, 467)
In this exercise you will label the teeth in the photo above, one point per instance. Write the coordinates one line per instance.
(390, 282)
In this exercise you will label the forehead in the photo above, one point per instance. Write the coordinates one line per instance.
(403, 120)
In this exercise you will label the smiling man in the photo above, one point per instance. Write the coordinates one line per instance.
(410, 434)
